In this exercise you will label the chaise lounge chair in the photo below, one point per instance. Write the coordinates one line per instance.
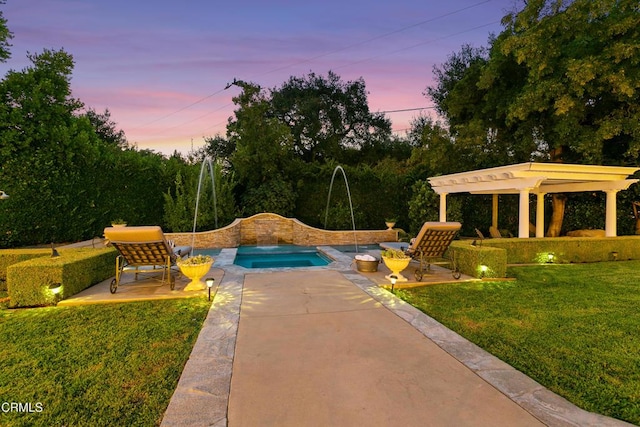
(429, 246)
(144, 246)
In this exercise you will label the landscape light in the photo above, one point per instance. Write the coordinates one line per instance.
(209, 281)
(483, 270)
(55, 288)
(393, 279)
(550, 257)
(54, 252)
(3, 195)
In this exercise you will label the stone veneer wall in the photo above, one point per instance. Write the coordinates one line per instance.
(272, 229)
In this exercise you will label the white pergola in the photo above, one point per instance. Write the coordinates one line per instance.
(539, 179)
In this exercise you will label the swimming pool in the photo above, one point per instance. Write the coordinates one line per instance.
(280, 256)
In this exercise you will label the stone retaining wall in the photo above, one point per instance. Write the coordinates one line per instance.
(273, 229)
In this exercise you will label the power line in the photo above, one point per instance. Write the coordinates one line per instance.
(182, 109)
(304, 61)
(407, 109)
(418, 44)
(317, 57)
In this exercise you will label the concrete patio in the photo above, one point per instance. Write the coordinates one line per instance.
(329, 346)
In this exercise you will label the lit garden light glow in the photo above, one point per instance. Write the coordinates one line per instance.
(550, 257)
(483, 270)
(55, 289)
(393, 279)
(209, 281)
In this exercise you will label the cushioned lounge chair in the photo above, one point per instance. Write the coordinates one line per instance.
(429, 246)
(144, 246)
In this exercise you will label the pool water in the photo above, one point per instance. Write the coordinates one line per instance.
(352, 248)
(280, 256)
(211, 252)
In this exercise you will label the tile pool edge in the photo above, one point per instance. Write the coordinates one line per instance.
(339, 261)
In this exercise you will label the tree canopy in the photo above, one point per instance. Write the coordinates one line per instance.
(582, 79)
(562, 80)
(327, 116)
(5, 36)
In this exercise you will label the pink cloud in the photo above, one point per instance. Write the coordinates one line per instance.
(150, 65)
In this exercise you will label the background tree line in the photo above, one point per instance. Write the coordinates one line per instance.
(560, 83)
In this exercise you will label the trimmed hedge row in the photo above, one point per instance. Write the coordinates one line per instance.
(568, 249)
(495, 254)
(29, 282)
(13, 256)
(478, 261)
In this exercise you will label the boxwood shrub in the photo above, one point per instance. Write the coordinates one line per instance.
(29, 282)
(13, 256)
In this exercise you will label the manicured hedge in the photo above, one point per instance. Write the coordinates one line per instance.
(470, 259)
(568, 249)
(29, 282)
(13, 256)
(495, 254)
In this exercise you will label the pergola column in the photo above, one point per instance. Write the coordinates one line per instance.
(494, 211)
(443, 207)
(540, 215)
(523, 217)
(610, 227)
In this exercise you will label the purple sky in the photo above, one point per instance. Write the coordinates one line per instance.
(161, 66)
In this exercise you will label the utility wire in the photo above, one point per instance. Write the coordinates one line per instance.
(407, 109)
(182, 109)
(411, 47)
(317, 57)
(304, 61)
(417, 45)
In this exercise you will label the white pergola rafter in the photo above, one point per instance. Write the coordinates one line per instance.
(540, 179)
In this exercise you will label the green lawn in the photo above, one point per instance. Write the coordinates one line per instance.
(95, 365)
(574, 328)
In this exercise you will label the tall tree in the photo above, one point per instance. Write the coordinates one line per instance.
(582, 81)
(328, 116)
(5, 36)
(435, 151)
(476, 115)
(45, 149)
(581, 90)
(106, 128)
(561, 83)
(262, 156)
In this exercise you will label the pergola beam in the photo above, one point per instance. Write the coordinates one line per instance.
(540, 179)
(569, 188)
(501, 186)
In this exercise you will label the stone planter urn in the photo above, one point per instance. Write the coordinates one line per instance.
(195, 268)
(395, 261)
(390, 224)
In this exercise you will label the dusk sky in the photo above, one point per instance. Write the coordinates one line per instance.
(161, 66)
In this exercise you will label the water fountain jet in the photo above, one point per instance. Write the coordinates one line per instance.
(206, 161)
(326, 215)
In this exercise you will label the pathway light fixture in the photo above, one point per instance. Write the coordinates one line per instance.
(393, 279)
(209, 281)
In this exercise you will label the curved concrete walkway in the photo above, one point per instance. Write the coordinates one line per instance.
(330, 347)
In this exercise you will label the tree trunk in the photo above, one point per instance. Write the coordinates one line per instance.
(558, 202)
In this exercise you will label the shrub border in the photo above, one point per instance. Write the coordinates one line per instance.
(29, 282)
